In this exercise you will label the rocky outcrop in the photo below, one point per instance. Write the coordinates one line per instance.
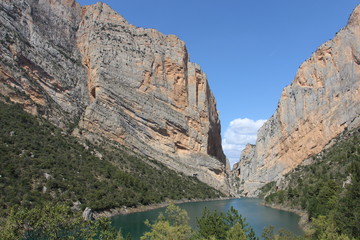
(87, 214)
(88, 68)
(322, 101)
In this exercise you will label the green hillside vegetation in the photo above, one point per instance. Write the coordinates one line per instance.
(59, 222)
(54, 221)
(40, 163)
(328, 189)
(174, 225)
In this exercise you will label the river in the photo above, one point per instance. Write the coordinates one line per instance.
(257, 215)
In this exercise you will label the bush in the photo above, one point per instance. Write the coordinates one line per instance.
(327, 188)
(39, 163)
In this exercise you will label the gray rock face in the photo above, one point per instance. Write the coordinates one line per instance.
(39, 65)
(321, 102)
(88, 67)
(87, 214)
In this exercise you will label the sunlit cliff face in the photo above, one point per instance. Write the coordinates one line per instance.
(88, 66)
(321, 102)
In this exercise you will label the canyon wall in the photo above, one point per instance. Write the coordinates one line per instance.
(320, 103)
(87, 69)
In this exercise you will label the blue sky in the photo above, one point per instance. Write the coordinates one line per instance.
(250, 50)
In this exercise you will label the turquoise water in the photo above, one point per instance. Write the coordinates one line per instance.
(257, 216)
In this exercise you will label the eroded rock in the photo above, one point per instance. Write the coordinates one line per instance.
(321, 102)
(86, 67)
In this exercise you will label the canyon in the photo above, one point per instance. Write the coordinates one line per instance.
(103, 80)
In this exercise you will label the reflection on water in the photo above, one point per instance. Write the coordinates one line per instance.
(256, 215)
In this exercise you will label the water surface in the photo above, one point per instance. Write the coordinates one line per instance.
(257, 215)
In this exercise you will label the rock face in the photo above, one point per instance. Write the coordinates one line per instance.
(321, 102)
(39, 64)
(87, 67)
(87, 214)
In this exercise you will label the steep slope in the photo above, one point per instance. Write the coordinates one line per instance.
(329, 186)
(321, 102)
(41, 163)
(86, 68)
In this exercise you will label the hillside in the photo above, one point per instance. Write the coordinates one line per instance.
(328, 186)
(42, 163)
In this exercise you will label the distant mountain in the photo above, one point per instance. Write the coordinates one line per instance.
(88, 71)
(322, 101)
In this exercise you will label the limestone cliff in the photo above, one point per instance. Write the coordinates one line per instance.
(321, 102)
(88, 68)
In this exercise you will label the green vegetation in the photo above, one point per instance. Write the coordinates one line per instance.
(55, 222)
(40, 163)
(224, 226)
(44, 171)
(328, 189)
(58, 221)
(174, 225)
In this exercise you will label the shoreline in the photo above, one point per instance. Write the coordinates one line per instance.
(303, 222)
(304, 216)
(143, 208)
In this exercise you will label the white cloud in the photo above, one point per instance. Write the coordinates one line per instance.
(240, 132)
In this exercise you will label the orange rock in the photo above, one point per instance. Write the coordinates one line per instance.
(321, 102)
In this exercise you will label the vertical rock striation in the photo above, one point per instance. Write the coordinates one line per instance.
(321, 102)
(145, 93)
(39, 64)
(88, 67)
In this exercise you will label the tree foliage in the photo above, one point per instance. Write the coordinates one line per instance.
(174, 224)
(328, 189)
(55, 222)
(236, 233)
(41, 163)
(59, 222)
(220, 225)
(211, 226)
